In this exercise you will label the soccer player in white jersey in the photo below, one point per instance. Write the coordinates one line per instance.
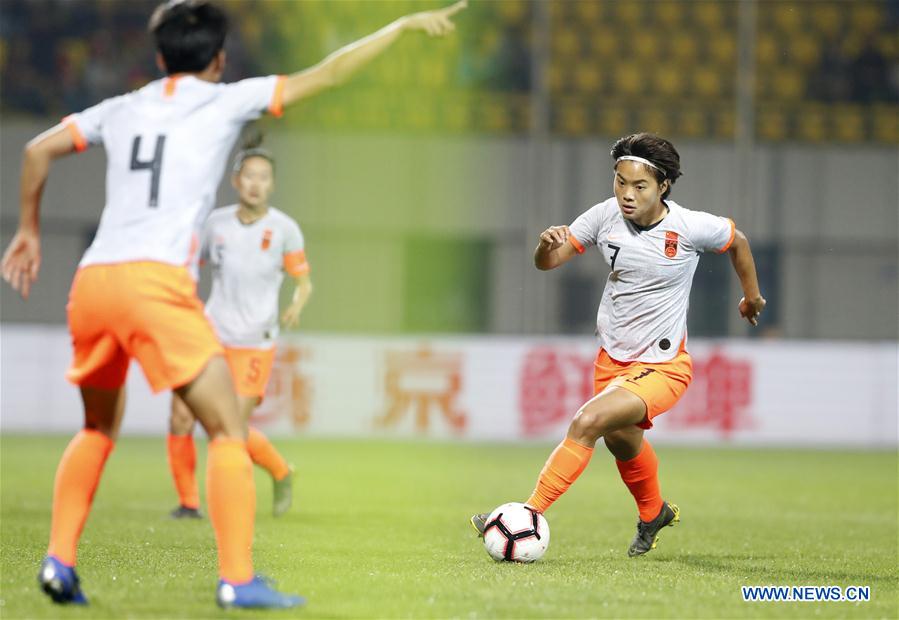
(134, 295)
(250, 247)
(652, 245)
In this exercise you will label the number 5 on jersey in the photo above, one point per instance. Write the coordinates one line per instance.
(154, 166)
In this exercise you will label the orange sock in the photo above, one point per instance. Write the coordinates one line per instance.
(231, 498)
(77, 477)
(641, 475)
(264, 454)
(183, 463)
(562, 468)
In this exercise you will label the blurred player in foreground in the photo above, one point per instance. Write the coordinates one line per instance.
(250, 246)
(134, 295)
(652, 246)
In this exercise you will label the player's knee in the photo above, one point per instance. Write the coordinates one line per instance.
(623, 444)
(181, 421)
(588, 424)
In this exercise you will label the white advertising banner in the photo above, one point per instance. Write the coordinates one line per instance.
(495, 388)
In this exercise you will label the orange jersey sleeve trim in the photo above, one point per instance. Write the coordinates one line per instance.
(577, 244)
(733, 231)
(77, 137)
(295, 263)
(276, 107)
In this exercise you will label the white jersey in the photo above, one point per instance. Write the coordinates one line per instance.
(166, 149)
(248, 265)
(643, 312)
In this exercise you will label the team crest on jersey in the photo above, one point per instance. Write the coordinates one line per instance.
(267, 238)
(670, 244)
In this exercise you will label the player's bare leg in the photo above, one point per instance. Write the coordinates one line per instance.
(638, 467)
(230, 491)
(182, 456)
(264, 454)
(610, 410)
(77, 477)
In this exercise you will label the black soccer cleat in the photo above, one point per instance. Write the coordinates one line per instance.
(184, 512)
(648, 533)
(479, 523)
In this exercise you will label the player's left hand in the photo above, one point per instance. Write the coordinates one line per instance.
(22, 261)
(435, 23)
(291, 315)
(750, 309)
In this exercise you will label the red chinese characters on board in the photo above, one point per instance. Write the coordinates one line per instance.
(554, 384)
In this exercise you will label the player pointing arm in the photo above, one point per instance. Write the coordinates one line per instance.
(134, 295)
(22, 259)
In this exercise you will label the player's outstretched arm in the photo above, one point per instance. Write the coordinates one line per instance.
(339, 66)
(554, 248)
(291, 315)
(22, 259)
(753, 303)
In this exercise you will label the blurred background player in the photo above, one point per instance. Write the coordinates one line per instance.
(643, 368)
(134, 295)
(250, 246)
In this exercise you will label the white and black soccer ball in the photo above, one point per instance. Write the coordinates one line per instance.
(516, 533)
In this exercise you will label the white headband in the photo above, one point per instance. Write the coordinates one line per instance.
(642, 161)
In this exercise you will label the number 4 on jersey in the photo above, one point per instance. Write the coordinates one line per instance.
(154, 166)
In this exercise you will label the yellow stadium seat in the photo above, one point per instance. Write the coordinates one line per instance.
(669, 82)
(628, 12)
(771, 124)
(724, 123)
(670, 13)
(811, 123)
(786, 16)
(628, 79)
(788, 84)
(565, 42)
(828, 19)
(654, 119)
(572, 118)
(848, 123)
(512, 12)
(885, 123)
(723, 48)
(804, 50)
(645, 45)
(865, 16)
(612, 119)
(683, 47)
(557, 76)
(587, 12)
(587, 78)
(604, 44)
(709, 14)
(691, 122)
(706, 82)
(767, 50)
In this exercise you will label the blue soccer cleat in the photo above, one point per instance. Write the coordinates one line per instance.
(60, 582)
(256, 594)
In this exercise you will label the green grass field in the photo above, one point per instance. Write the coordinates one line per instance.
(381, 530)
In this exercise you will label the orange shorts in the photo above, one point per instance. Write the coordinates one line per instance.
(250, 369)
(144, 310)
(659, 385)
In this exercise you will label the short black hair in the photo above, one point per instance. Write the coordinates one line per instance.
(655, 149)
(188, 33)
(252, 147)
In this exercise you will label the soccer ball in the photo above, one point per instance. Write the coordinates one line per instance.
(516, 533)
